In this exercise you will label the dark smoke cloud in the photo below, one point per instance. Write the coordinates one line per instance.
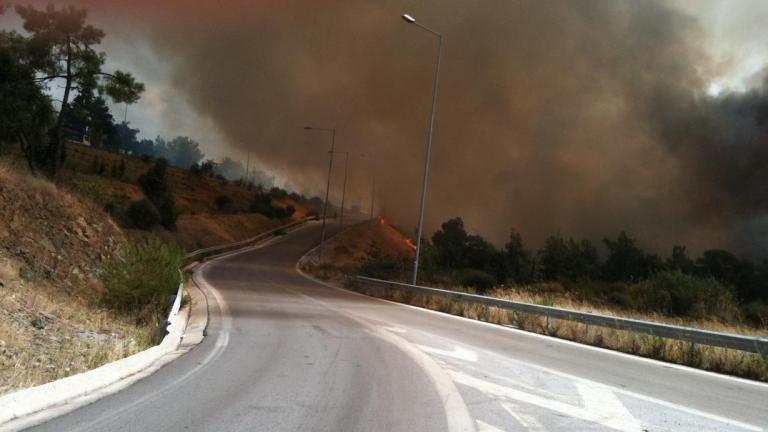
(587, 117)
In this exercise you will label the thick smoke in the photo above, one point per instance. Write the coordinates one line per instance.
(587, 117)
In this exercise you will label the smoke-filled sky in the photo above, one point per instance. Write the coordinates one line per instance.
(587, 117)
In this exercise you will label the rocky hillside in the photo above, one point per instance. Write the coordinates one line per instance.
(52, 246)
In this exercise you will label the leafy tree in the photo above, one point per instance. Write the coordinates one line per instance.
(143, 147)
(450, 241)
(90, 112)
(482, 255)
(208, 168)
(123, 139)
(562, 259)
(680, 260)
(155, 186)
(518, 263)
(718, 263)
(627, 262)
(181, 151)
(25, 111)
(142, 215)
(61, 47)
(277, 193)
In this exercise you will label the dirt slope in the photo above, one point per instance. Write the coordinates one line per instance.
(52, 246)
(350, 246)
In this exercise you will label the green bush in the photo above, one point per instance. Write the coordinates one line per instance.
(379, 266)
(142, 215)
(757, 312)
(140, 278)
(262, 204)
(478, 279)
(678, 294)
(154, 183)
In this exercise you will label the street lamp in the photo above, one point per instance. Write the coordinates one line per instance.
(410, 20)
(328, 184)
(344, 189)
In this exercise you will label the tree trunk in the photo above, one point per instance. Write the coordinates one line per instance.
(29, 152)
(59, 133)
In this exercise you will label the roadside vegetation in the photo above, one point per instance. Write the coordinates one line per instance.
(139, 279)
(716, 291)
(54, 247)
(92, 212)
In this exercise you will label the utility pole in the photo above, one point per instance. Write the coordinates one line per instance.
(344, 189)
(373, 193)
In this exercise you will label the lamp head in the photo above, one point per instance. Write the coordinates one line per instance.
(409, 19)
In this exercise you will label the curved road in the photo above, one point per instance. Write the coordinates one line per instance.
(284, 353)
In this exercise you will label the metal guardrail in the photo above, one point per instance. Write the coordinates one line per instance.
(705, 337)
(215, 250)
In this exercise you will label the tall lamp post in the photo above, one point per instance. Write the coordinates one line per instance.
(410, 20)
(328, 184)
(344, 188)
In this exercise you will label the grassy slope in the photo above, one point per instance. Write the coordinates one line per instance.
(199, 224)
(55, 241)
(52, 246)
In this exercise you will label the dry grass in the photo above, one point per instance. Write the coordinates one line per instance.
(727, 361)
(78, 336)
(52, 245)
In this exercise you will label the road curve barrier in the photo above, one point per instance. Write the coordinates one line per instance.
(751, 344)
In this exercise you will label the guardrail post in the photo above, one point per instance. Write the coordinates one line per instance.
(549, 325)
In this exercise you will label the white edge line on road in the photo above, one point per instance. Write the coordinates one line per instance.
(456, 412)
(646, 398)
(73, 404)
(222, 338)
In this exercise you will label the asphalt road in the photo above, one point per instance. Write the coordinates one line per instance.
(284, 353)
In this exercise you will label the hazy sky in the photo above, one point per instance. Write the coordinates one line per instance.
(585, 117)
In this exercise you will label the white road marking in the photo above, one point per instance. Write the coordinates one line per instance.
(456, 411)
(485, 427)
(458, 353)
(528, 421)
(222, 340)
(394, 329)
(666, 404)
(507, 393)
(600, 399)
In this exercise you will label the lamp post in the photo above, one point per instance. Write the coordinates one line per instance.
(328, 184)
(410, 20)
(344, 188)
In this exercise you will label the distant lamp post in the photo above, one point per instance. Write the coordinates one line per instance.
(410, 20)
(344, 188)
(328, 184)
